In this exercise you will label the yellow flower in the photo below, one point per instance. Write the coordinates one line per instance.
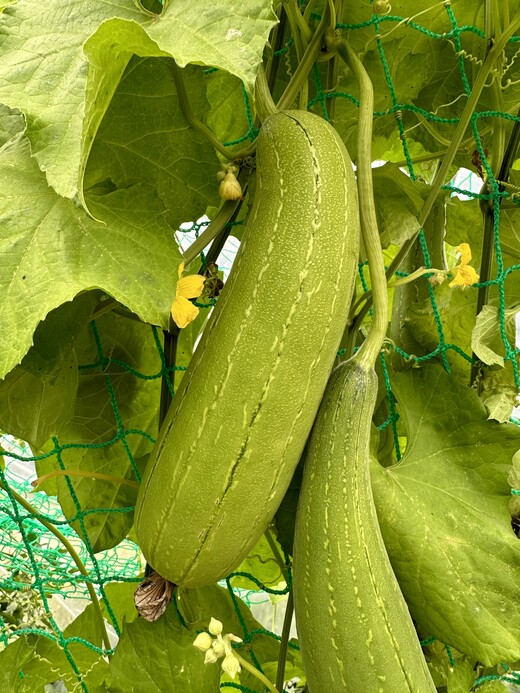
(465, 275)
(183, 311)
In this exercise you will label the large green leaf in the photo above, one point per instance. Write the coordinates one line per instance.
(444, 516)
(31, 662)
(54, 251)
(34, 409)
(228, 115)
(456, 317)
(159, 657)
(95, 424)
(64, 85)
(398, 201)
(55, 336)
(144, 137)
(487, 339)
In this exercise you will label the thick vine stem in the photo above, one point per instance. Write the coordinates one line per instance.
(216, 225)
(286, 629)
(455, 143)
(73, 554)
(302, 71)
(191, 117)
(265, 106)
(369, 350)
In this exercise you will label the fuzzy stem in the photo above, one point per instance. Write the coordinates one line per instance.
(369, 350)
(254, 671)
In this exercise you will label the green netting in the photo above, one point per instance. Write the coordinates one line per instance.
(32, 556)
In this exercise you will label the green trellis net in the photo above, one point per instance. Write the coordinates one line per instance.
(34, 565)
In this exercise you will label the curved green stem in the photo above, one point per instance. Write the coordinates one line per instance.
(86, 475)
(191, 117)
(73, 554)
(369, 350)
(265, 106)
(413, 276)
(304, 67)
(299, 26)
(278, 556)
(278, 38)
(195, 122)
(308, 11)
(333, 66)
(455, 142)
(332, 10)
(254, 671)
(282, 654)
(215, 226)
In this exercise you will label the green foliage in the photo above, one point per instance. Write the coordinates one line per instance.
(444, 517)
(51, 238)
(93, 422)
(78, 83)
(143, 138)
(100, 165)
(261, 564)
(160, 656)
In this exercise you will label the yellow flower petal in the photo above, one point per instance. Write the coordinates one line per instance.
(465, 276)
(465, 253)
(180, 269)
(190, 286)
(183, 312)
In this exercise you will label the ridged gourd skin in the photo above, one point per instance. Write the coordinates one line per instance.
(354, 627)
(236, 428)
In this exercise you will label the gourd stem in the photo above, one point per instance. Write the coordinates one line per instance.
(73, 554)
(265, 105)
(369, 350)
(195, 122)
(300, 31)
(333, 66)
(286, 629)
